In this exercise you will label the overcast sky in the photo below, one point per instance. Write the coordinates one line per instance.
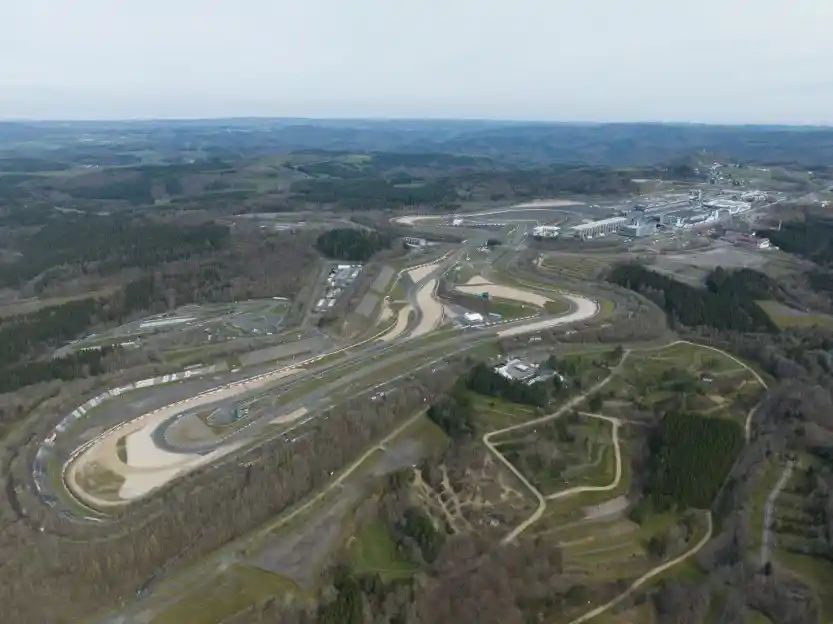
(734, 61)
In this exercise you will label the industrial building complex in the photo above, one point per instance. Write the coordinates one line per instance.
(641, 221)
(592, 229)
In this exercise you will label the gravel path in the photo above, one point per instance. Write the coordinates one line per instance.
(769, 510)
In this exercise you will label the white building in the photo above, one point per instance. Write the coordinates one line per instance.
(516, 370)
(545, 231)
(597, 228)
(732, 205)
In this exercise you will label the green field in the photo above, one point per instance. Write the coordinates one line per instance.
(684, 377)
(563, 453)
(230, 592)
(493, 413)
(373, 551)
(785, 317)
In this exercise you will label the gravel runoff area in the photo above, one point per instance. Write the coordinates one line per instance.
(148, 467)
(432, 310)
(479, 284)
(583, 309)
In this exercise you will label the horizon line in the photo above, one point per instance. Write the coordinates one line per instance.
(404, 119)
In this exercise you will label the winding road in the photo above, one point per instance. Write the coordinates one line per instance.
(542, 500)
(145, 425)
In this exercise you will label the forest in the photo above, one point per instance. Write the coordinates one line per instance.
(188, 267)
(725, 304)
(691, 456)
(811, 238)
(108, 244)
(351, 244)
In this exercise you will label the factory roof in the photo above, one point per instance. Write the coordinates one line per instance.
(593, 224)
(517, 370)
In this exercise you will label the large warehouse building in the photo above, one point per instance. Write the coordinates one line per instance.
(545, 231)
(638, 229)
(593, 229)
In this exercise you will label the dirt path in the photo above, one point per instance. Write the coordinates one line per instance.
(747, 429)
(649, 575)
(542, 500)
(704, 540)
(618, 454)
(769, 509)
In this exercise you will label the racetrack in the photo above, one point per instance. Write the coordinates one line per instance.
(149, 467)
(538, 204)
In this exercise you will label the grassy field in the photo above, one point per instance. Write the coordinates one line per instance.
(683, 377)
(563, 453)
(230, 592)
(509, 309)
(574, 266)
(566, 511)
(493, 413)
(424, 430)
(559, 306)
(373, 551)
(619, 550)
(785, 317)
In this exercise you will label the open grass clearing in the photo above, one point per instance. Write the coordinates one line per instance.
(560, 306)
(688, 356)
(572, 511)
(574, 266)
(494, 413)
(564, 453)
(373, 551)
(228, 593)
(785, 317)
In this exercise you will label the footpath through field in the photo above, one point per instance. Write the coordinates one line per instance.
(542, 500)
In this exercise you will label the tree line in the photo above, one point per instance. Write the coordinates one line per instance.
(106, 245)
(726, 303)
(352, 244)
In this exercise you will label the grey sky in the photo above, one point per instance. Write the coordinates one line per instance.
(735, 61)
